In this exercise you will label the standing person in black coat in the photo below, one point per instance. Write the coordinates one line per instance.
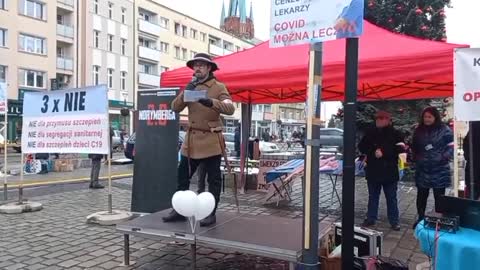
(236, 140)
(95, 172)
(475, 162)
(382, 145)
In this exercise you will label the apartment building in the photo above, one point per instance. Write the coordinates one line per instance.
(167, 39)
(291, 116)
(125, 44)
(37, 50)
(106, 53)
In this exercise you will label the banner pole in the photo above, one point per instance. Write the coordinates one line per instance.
(312, 156)
(348, 182)
(20, 186)
(109, 160)
(5, 184)
(471, 171)
(110, 202)
(455, 159)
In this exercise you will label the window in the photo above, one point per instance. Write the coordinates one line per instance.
(164, 47)
(184, 54)
(177, 52)
(163, 69)
(96, 71)
(31, 78)
(110, 78)
(192, 54)
(33, 9)
(60, 52)
(238, 48)
(193, 33)
(267, 108)
(203, 36)
(144, 15)
(124, 46)
(95, 38)
(110, 10)
(32, 44)
(60, 19)
(95, 6)
(178, 29)
(110, 43)
(124, 15)
(3, 37)
(123, 78)
(184, 31)
(164, 22)
(2, 4)
(3, 73)
(145, 68)
(228, 46)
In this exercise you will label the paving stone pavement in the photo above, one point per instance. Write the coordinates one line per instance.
(58, 237)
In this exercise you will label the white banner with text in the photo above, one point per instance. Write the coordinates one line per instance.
(296, 22)
(67, 121)
(467, 84)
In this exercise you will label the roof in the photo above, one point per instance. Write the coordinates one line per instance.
(391, 66)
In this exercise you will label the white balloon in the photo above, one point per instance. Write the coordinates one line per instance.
(205, 206)
(186, 203)
(176, 200)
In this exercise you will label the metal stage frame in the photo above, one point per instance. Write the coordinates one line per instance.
(266, 236)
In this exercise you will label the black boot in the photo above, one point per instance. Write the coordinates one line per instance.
(173, 216)
(96, 185)
(210, 220)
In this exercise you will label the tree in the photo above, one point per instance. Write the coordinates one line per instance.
(418, 18)
(331, 122)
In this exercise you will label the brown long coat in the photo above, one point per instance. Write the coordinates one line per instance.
(203, 144)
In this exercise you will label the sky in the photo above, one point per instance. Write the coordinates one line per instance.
(462, 22)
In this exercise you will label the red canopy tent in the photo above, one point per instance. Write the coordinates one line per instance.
(391, 66)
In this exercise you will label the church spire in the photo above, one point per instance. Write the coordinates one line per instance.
(232, 10)
(243, 11)
(222, 15)
(251, 11)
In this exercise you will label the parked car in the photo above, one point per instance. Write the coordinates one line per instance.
(117, 142)
(130, 145)
(331, 137)
(268, 147)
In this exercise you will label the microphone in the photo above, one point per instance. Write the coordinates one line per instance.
(192, 84)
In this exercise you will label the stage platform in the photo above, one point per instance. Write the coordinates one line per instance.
(267, 236)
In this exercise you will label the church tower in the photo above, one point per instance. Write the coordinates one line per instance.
(236, 20)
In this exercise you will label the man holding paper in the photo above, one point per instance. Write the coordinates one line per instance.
(206, 98)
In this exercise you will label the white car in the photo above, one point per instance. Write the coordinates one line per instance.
(268, 147)
(265, 147)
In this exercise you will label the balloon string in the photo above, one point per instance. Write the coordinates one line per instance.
(191, 220)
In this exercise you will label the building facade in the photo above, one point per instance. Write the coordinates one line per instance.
(123, 44)
(167, 39)
(28, 57)
(107, 55)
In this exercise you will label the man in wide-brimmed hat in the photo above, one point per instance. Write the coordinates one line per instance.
(204, 143)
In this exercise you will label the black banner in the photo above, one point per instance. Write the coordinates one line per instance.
(156, 151)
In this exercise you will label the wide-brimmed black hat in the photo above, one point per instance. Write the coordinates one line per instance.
(204, 58)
